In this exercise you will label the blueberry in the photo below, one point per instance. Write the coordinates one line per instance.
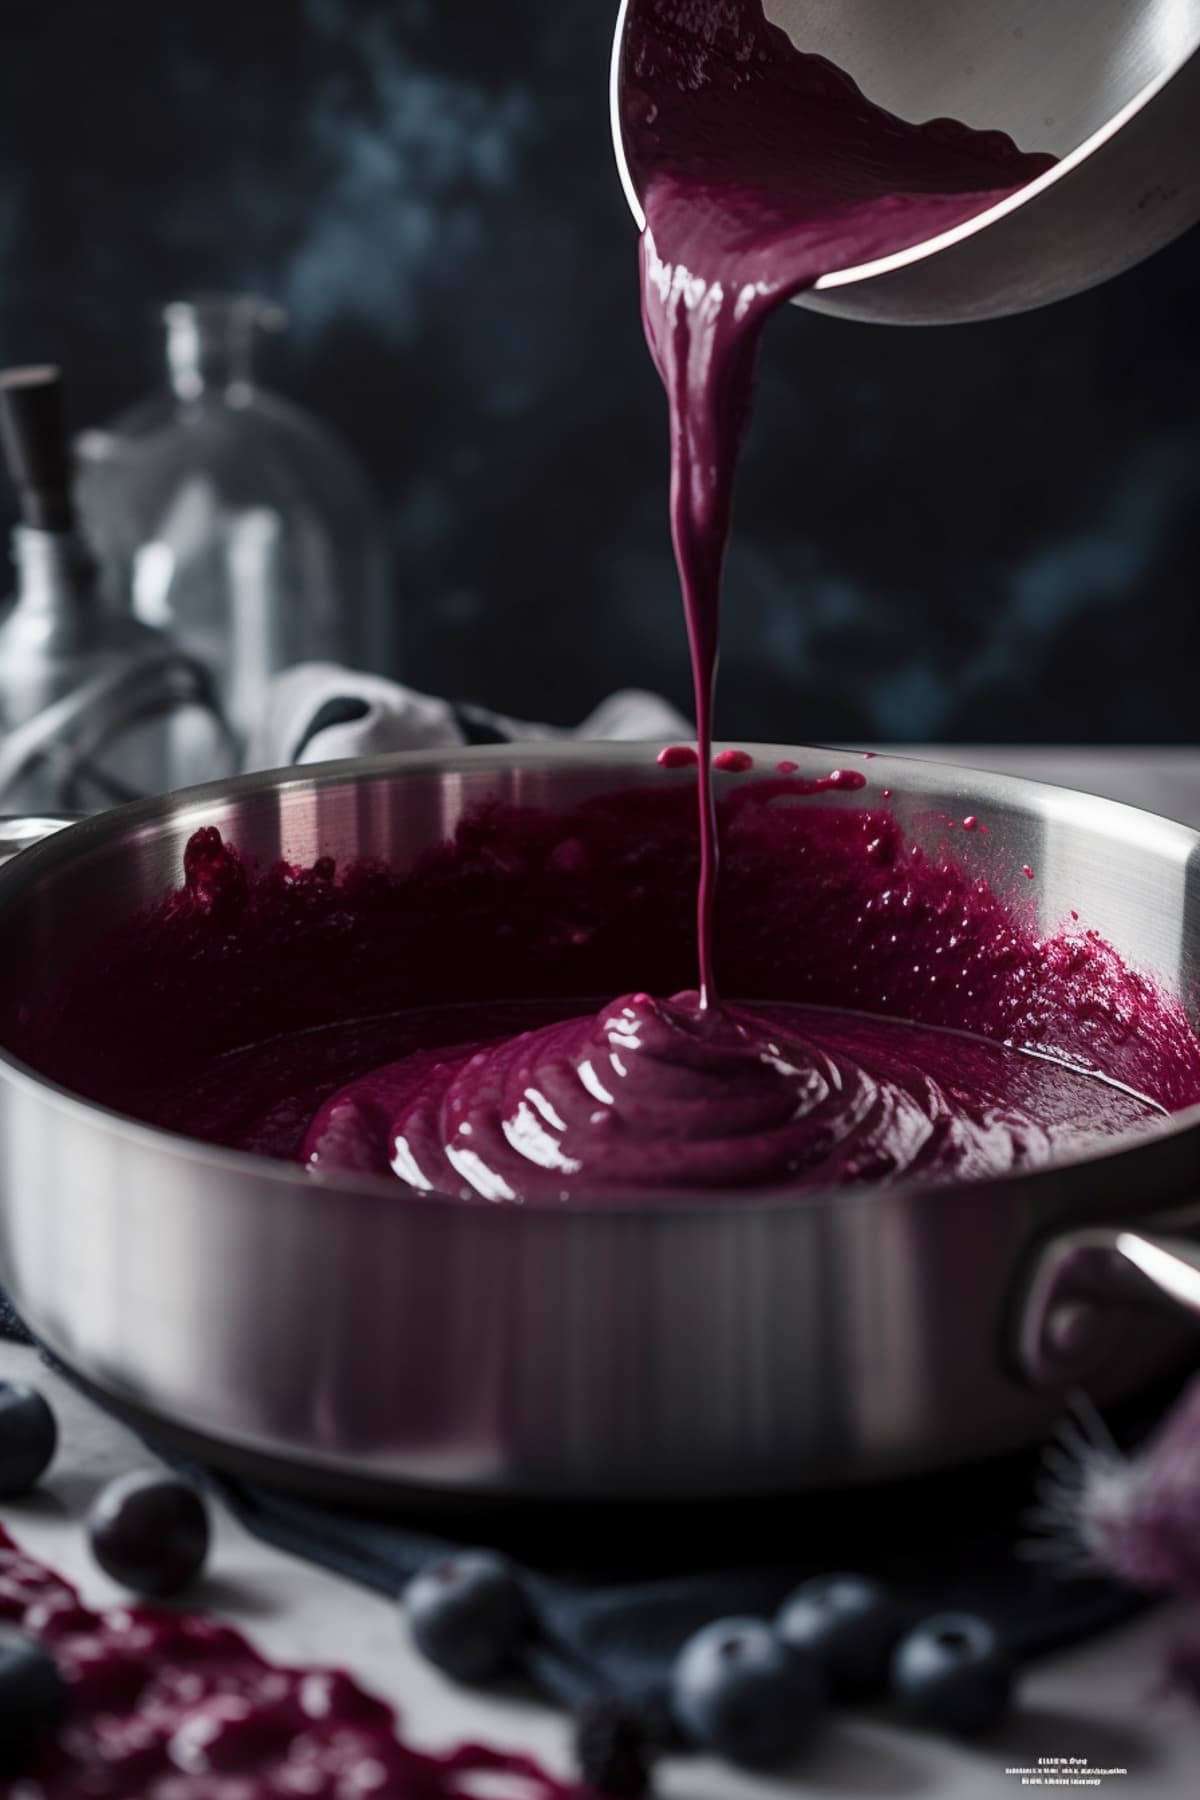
(33, 1698)
(28, 1438)
(612, 1747)
(737, 1690)
(467, 1614)
(850, 1624)
(953, 1673)
(149, 1531)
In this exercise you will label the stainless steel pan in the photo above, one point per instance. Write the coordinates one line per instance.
(349, 1334)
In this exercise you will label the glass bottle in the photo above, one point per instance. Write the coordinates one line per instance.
(232, 519)
(95, 706)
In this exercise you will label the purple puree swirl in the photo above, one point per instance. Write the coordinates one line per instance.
(653, 1094)
(761, 169)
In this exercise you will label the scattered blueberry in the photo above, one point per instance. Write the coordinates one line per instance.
(613, 1750)
(850, 1624)
(953, 1673)
(28, 1438)
(149, 1531)
(737, 1690)
(33, 1698)
(467, 1614)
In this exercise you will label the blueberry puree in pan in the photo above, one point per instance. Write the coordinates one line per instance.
(651, 1094)
(358, 1018)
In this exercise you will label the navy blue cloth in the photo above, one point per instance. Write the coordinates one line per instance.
(616, 1587)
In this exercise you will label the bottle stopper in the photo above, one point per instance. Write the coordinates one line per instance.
(33, 436)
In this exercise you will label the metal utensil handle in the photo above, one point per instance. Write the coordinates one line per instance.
(73, 730)
(1079, 1277)
(17, 833)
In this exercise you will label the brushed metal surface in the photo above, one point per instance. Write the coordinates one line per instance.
(655, 1349)
(1110, 86)
(21, 831)
(1085, 1278)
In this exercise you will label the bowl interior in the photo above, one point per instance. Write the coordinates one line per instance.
(1050, 76)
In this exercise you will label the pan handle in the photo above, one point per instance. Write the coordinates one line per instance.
(1078, 1278)
(17, 834)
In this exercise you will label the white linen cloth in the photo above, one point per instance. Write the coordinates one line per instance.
(319, 712)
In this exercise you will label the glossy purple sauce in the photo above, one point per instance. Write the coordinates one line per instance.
(760, 170)
(541, 1095)
(174, 1706)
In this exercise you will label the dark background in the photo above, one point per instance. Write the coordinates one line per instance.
(987, 532)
